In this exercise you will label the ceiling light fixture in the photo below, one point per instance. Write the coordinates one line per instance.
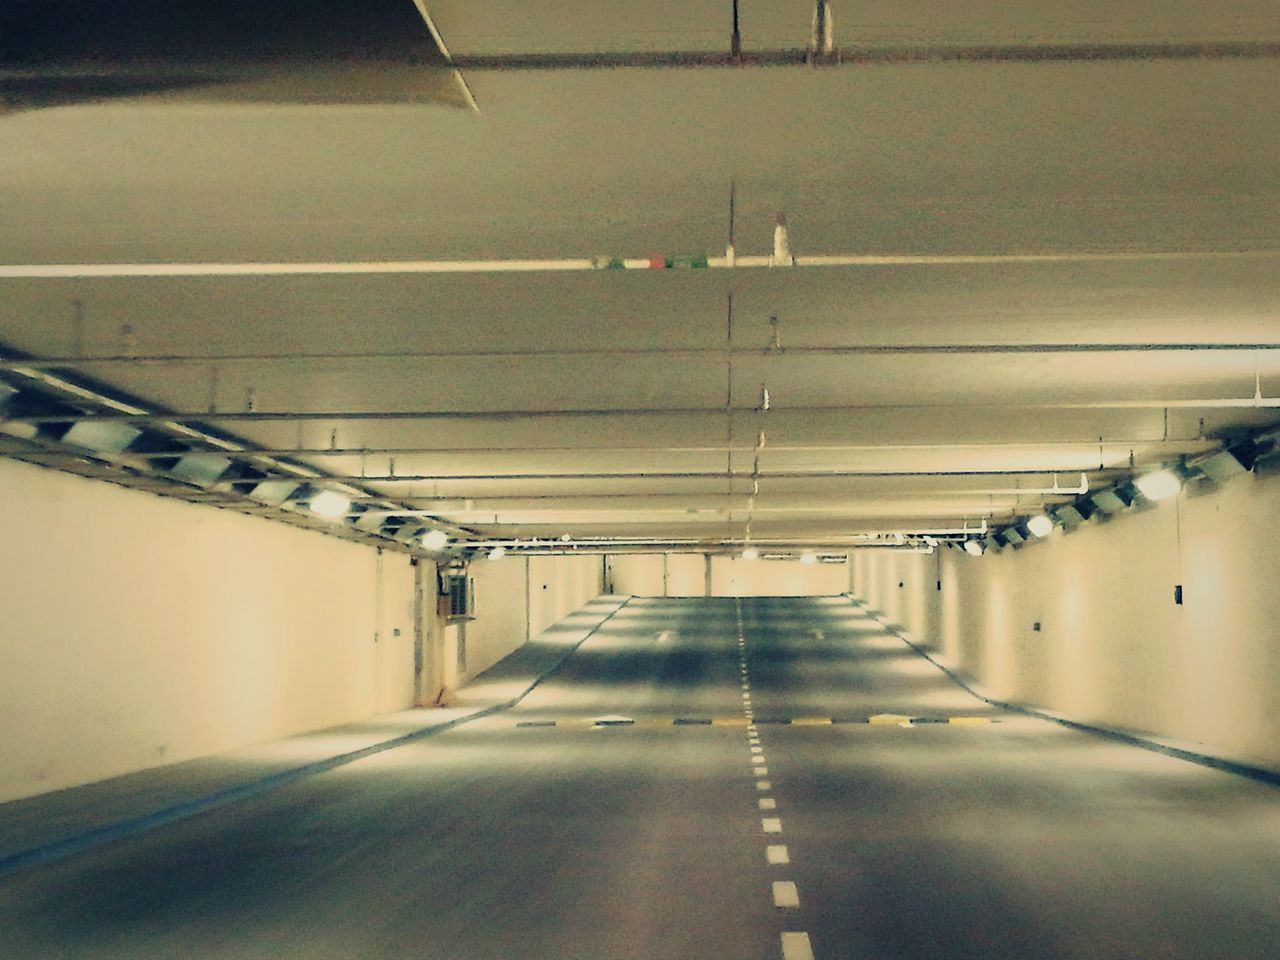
(808, 558)
(497, 553)
(973, 548)
(1159, 485)
(1041, 526)
(751, 553)
(435, 540)
(330, 504)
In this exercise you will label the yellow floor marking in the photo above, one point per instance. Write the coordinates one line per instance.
(810, 721)
(969, 721)
(729, 721)
(888, 719)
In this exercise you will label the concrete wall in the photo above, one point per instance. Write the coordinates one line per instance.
(685, 575)
(516, 599)
(1111, 645)
(136, 630)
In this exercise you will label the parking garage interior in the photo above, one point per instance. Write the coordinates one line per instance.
(744, 478)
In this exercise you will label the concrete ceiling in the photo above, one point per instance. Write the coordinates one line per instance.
(1146, 183)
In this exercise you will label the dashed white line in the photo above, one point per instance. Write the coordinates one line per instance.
(763, 785)
(771, 825)
(777, 853)
(762, 771)
(768, 803)
(785, 894)
(796, 946)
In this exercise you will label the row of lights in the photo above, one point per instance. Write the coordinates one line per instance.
(1152, 487)
(332, 505)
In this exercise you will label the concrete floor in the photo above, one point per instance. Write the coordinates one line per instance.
(511, 838)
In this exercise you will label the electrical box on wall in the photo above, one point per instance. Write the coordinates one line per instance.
(456, 592)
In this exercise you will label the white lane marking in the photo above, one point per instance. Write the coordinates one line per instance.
(771, 825)
(796, 946)
(763, 785)
(762, 771)
(746, 685)
(767, 803)
(776, 853)
(664, 636)
(819, 635)
(785, 894)
(751, 728)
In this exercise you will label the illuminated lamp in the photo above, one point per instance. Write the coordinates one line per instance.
(973, 548)
(1159, 485)
(330, 504)
(1040, 526)
(435, 540)
(751, 553)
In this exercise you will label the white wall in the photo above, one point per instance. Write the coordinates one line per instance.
(686, 576)
(1112, 647)
(516, 599)
(136, 630)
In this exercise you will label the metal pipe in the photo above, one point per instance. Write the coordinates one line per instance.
(1090, 447)
(718, 475)
(716, 353)
(877, 54)
(277, 416)
(571, 265)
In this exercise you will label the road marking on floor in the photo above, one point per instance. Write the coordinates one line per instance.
(819, 635)
(756, 748)
(771, 825)
(664, 636)
(887, 719)
(767, 803)
(776, 853)
(763, 785)
(762, 771)
(748, 719)
(796, 946)
(785, 894)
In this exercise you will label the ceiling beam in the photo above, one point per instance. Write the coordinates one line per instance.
(676, 353)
